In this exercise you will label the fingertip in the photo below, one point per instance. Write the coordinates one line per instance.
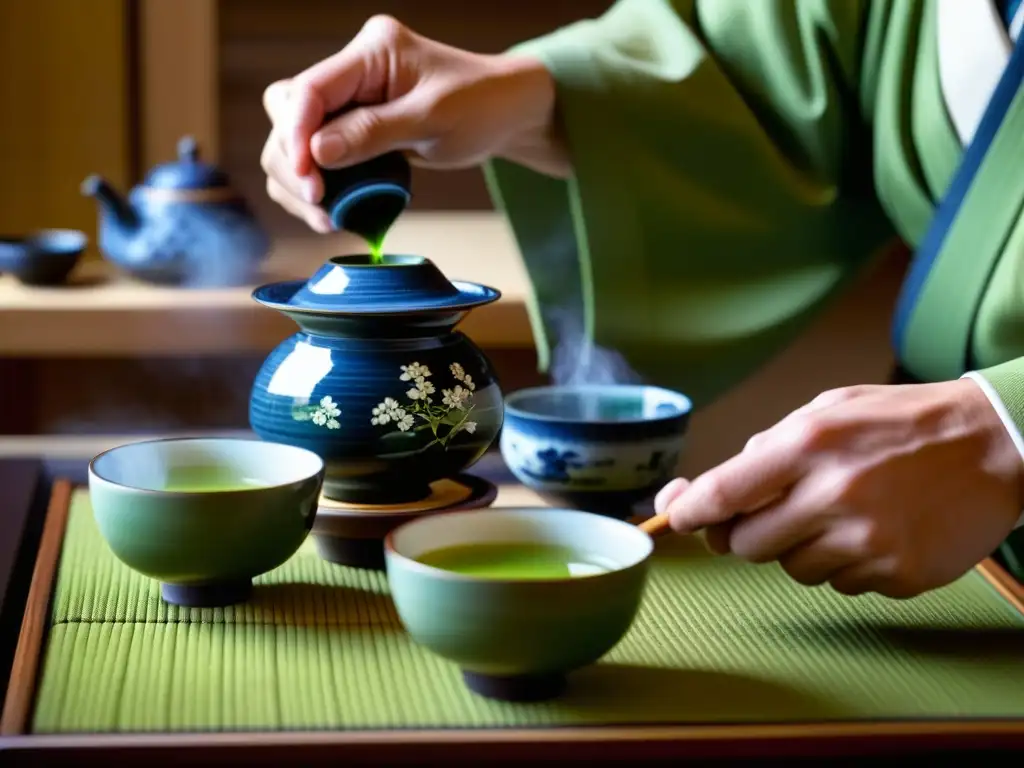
(307, 117)
(312, 189)
(689, 511)
(327, 149)
(319, 222)
(669, 493)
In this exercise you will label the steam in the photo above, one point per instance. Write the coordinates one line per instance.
(575, 358)
(228, 246)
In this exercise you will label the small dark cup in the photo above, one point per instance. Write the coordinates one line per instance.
(366, 198)
(43, 258)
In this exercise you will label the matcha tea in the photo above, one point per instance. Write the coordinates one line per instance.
(376, 250)
(205, 479)
(518, 561)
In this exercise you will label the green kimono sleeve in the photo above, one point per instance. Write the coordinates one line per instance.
(721, 193)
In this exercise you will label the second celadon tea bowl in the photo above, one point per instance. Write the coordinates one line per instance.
(377, 380)
(517, 628)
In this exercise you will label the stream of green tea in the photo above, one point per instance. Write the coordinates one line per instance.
(376, 246)
(372, 219)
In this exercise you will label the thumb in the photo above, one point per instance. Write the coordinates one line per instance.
(366, 132)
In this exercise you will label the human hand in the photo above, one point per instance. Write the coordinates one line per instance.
(889, 489)
(444, 107)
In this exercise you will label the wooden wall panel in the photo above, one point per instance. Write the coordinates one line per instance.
(264, 40)
(64, 109)
(178, 78)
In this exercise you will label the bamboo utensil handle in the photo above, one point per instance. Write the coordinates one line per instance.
(658, 525)
(655, 526)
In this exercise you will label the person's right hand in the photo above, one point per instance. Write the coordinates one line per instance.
(443, 107)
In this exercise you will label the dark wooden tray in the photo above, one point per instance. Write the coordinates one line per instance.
(633, 743)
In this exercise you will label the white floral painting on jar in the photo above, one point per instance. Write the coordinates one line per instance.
(445, 414)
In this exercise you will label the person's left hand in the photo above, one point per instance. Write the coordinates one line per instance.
(889, 489)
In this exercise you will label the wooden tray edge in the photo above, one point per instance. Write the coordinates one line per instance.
(24, 670)
(707, 740)
(515, 744)
(1004, 583)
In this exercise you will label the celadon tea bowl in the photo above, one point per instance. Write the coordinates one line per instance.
(518, 638)
(599, 448)
(204, 516)
(377, 380)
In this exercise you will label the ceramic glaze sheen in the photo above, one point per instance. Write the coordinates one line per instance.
(377, 381)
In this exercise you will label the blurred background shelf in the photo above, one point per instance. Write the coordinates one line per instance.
(102, 314)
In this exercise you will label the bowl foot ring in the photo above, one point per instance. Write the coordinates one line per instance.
(517, 688)
(212, 595)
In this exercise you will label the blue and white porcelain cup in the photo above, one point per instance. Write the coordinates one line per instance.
(598, 448)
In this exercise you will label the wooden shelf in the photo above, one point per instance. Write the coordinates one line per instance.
(103, 314)
(86, 446)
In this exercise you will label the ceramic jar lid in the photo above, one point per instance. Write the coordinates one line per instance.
(354, 285)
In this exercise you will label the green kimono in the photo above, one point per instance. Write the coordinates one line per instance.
(738, 162)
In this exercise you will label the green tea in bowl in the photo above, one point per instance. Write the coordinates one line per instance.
(518, 598)
(516, 560)
(204, 516)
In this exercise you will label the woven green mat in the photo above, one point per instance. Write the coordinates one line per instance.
(321, 647)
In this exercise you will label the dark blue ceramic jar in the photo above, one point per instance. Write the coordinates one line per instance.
(378, 381)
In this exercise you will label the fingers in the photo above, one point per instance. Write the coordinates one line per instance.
(296, 111)
(822, 558)
(874, 576)
(287, 171)
(363, 71)
(716, 537)
(741, 484)
(360, 70)
(315, 217)
(777, 528)
(769, 464)
(299, 107)
(370, 131)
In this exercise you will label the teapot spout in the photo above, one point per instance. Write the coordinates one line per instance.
(110, 201)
